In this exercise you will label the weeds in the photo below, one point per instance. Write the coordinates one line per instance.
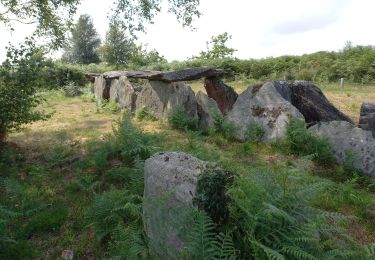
(178, 119)
(145, 114)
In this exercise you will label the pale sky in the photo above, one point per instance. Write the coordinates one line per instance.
(259, 28)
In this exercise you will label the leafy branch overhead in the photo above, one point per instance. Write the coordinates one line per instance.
(54, 17)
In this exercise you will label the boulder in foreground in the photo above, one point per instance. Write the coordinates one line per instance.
(171, 180)
(349, 142)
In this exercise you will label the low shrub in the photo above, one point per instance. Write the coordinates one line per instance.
(301, 142)
(254, 133)
(145, 114)
(72, 89)
(273, 216)
(223, 127)
(178, 119)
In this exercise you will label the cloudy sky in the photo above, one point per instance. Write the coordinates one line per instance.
(258, 28)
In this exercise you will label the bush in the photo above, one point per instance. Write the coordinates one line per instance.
(273, 217)
(178, 119)
(71, 89)
(303, 143)
(223, 127)
(114, 208)
(255, 133)
(20, 79)
(145, 114)
(211, 194)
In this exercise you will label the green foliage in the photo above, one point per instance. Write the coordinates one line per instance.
(301, 142)
(254, 133)
(114, 208)
(217, 49)
(274, 217)
(88, 93)
(179, 119)
(145, 114)
(46, 221)
(83, 42)
(72, 90)
(204, 243)
(19, 82)
(211, 194)
(118, 48)
(222, 127)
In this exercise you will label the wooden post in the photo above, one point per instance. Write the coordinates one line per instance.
(342, 83)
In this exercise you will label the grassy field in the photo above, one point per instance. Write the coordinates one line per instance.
(53, 168)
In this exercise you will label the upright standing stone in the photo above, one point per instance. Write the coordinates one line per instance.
(367, 117)
(171, 180)
(224, 95)
(102, 88)
(163, 98)
(207, 108)
(123, 93)
(262, 105)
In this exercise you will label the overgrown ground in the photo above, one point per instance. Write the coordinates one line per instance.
(55, 170)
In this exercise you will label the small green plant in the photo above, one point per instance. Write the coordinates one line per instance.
(303, 143)
(204, 243)
(72, 89)
(223, 127)
(88, 93)
(178, 119)
(145, 114)
(255, 132)
(273, 217)
(46, 221)
(114, 208)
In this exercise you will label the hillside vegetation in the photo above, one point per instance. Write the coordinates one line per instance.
(75, 182)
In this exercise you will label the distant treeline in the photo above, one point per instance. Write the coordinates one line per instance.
(355, 64)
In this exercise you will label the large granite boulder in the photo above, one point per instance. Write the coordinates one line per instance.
(265, 106)
(224, 95)
(348, 140)
(162, 98)
(101, 88)
(206, 108)
(313, 104)
(367, 117)
(170, 185)
(123, 93)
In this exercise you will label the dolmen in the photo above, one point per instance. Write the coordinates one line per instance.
(269, 105)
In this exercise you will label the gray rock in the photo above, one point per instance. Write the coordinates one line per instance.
(347, 139)
(170, 185)
(264, 105)
(367, 117)
(162, 98)
(313, 104)
(206, 109)
(101, 88)
(173, 76)
(123, 93)
(186, 74)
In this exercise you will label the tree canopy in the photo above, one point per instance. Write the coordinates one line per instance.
(53, 17)
(217, 48)
(117, 48)
(84, 42)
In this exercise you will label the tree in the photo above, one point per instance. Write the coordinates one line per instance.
(83, 42)
(118, 48)
(19, 82)
(53, 17)
(217, 49)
